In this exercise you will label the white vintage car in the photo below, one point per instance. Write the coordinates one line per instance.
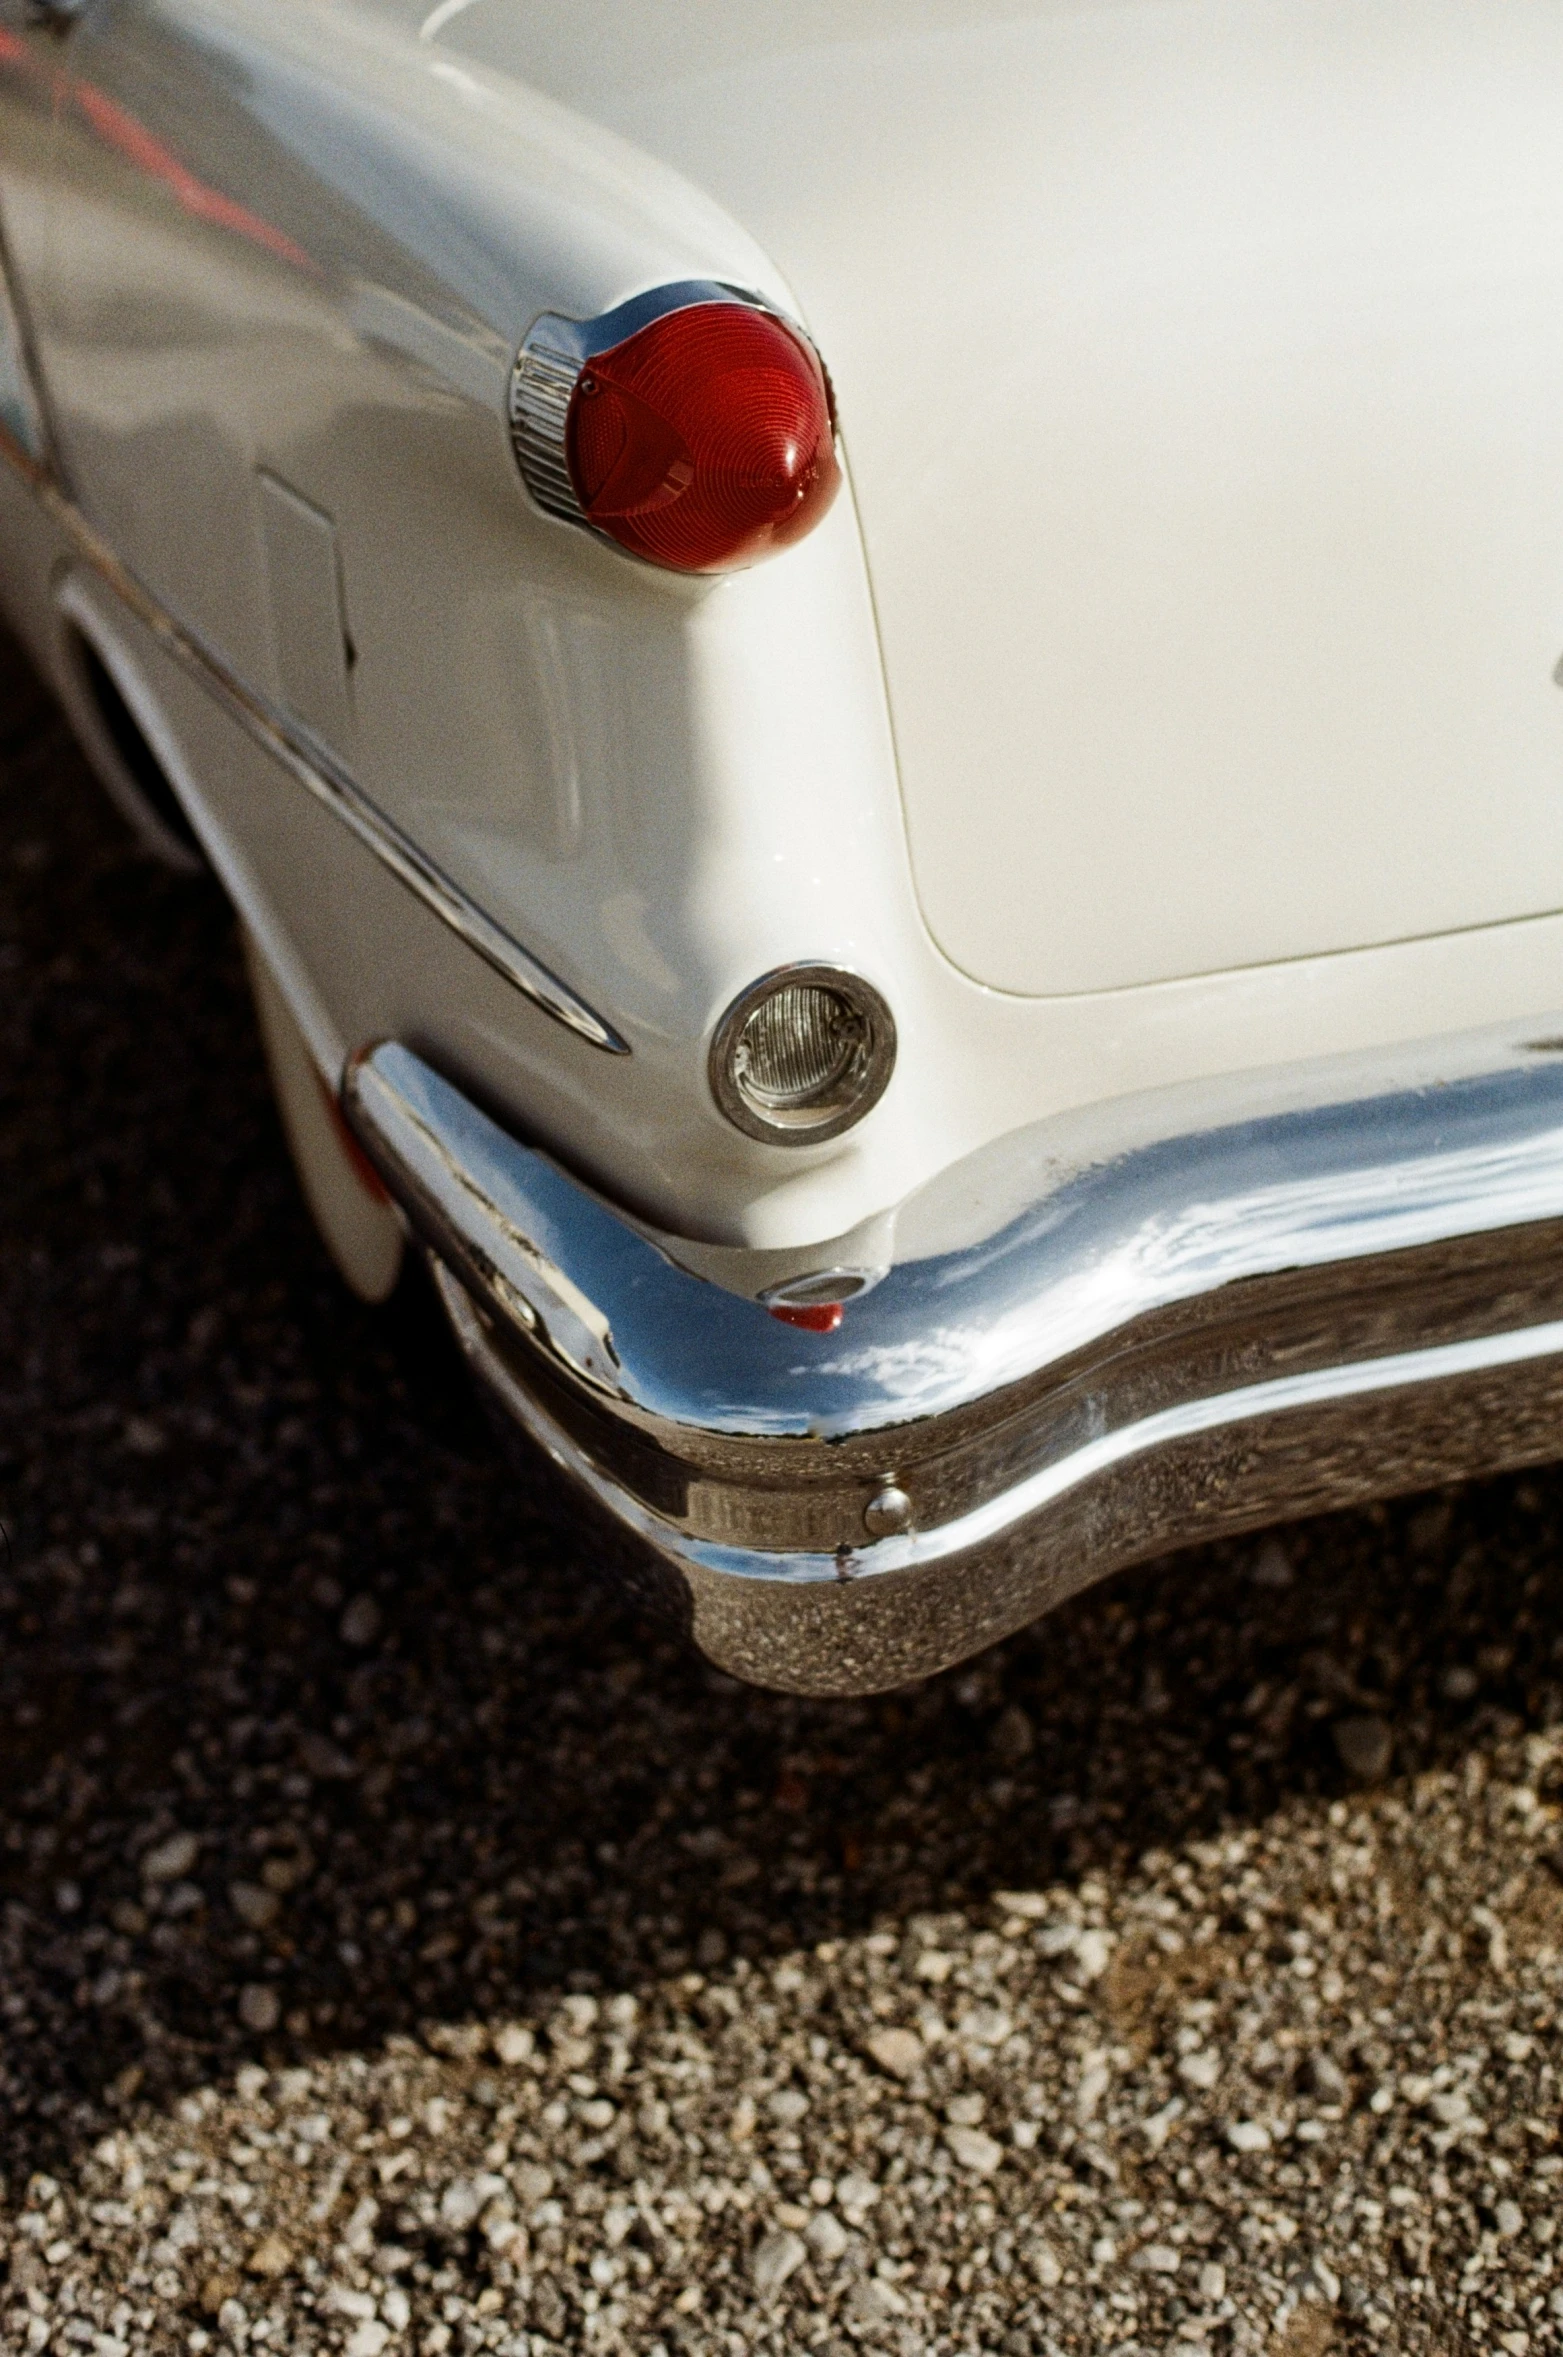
(877, 681)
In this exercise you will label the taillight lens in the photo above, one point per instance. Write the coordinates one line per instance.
(705, 440)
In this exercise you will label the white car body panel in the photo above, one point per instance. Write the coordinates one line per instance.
(665, 788)
(1200, 369)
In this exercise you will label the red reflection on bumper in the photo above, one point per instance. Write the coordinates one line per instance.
(818, 1317)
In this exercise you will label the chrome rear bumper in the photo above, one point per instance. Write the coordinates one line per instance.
(1074, 1361)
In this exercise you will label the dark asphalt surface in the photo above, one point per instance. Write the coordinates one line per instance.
(268, 1579)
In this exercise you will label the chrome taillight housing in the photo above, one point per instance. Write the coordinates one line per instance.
(694, 426)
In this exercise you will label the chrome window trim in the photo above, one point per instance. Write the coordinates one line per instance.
(313, 766)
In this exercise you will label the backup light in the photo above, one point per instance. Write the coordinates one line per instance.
(803, 1055)
(694, 426)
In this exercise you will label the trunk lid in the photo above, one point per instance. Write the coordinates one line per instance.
(1200, 368)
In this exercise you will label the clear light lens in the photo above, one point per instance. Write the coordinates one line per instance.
(804, 1056)
(799, 1048)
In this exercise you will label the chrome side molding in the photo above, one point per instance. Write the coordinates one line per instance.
(22, 418)
(1195, 1337)
(317, 769)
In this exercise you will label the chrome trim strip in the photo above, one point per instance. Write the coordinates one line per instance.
(542, 385)
(319, 772)
(23, 422)
(1217, 1328)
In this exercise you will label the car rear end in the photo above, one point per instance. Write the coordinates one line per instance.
(987, 1018)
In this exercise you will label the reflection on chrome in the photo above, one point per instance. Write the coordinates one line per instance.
(1216, 1327)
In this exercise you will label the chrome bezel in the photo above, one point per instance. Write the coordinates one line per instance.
(548, 368)
(877, 1067)
(820, 1288)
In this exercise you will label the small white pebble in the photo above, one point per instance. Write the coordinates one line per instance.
(1093, 2086)
(459, 2204)
(1510, 2219)
(975, 2149)
(1093, 1951)
(898, 2051)
(171, 1859)
(260, 2008)
(1248, 2136)
(342, 2300)
(985, 2025)
(856, 2192)
(776, 2256)
(826, 2237)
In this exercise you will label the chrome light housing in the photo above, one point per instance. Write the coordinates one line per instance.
(802, 1055)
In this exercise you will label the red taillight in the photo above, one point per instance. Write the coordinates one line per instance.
(815, 1317)
(705, 440)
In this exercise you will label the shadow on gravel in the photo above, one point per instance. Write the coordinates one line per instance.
(318, 1722)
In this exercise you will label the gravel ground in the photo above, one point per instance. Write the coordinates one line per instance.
(406, 1947)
